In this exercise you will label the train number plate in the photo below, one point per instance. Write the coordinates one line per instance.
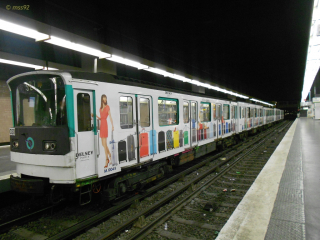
(12, 132)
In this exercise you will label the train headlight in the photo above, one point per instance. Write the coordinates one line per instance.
(15, 144)
(49, 145)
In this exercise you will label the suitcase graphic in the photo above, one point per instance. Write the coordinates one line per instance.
(161, 142)
(193, 123)
(227, 129)
(153, 142)
(194, 135)
(211, 130)
(131, 148)
(219, 129)
(144, 144)
(199, 134)
(186, 137)
(176, 139)
(122, 153)
(181, 138)
(214, 130)
(169, 140)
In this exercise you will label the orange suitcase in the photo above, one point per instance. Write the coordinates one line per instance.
(144, 144)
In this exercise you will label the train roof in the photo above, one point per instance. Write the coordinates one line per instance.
(110, 78)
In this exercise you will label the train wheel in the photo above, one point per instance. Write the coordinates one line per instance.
(56, 194)
(96, 187)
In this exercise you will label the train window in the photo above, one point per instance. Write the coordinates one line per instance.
(144, 112)
(193, 113)
(218, 112)
(168, 111)
(226, 111)
(126, 112)
(84, 112)
(214, 111)
(185, 112)
(205, 112)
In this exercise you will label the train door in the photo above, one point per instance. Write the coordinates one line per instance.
(84, 130)
(214, 121)
(194, 123)
(219, 120)
(126, 144)
(147, 135)
(235, 112)
(185, 133)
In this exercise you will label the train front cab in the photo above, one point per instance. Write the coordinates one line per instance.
(39, 140)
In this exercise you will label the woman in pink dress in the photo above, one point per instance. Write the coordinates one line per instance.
(104, 113)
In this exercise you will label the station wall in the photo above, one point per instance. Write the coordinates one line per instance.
(5, 112)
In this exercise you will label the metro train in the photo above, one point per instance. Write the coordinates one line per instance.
(99, 133)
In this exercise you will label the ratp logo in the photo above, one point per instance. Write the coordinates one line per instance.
(30, 143)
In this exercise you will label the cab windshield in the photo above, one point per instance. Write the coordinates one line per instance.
(39, 100)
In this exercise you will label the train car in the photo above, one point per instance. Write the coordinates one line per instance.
(99, 133)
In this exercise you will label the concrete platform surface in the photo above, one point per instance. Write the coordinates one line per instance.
(251, 218)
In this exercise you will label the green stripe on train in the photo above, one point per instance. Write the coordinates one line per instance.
(70, 110)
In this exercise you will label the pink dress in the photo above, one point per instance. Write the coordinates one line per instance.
(104, 124)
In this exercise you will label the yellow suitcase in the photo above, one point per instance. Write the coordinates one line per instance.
(176, 139)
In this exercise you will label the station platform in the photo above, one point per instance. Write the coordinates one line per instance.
(283, 202)
(6, 168)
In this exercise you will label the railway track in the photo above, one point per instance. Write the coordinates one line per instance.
(147, 203)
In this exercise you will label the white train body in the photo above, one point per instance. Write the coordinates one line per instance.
(144, 125)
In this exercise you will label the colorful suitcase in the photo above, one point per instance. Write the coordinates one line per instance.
(205, 133)
(131, 148)
(193, 123)
(169, 140)
(186, 137)
(153, 142)
(194, 135)
(181, 138)
(227, 127)
(144, 144)
(219, 129)
(199, 134)
(176, 139)
(161, 142)
(122, 153)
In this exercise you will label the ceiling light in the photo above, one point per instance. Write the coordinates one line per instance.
(77, 47)
(36, 67)
(158, 71)
(127, 62)
(23, 31)
(181, 78)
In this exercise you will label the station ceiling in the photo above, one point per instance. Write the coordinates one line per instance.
(257, 48)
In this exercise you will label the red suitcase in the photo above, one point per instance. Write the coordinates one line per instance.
(144, 144)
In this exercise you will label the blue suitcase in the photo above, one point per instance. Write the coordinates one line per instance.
(153, 142)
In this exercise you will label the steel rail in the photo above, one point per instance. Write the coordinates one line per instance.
(169, 197)
(171, 211)
(72, 231)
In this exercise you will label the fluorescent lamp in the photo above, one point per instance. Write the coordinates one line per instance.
(256, 100)
(21, 64)
(77, 47)
(158, 71)
(181, 78)
(23, 31)
(125, 61)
